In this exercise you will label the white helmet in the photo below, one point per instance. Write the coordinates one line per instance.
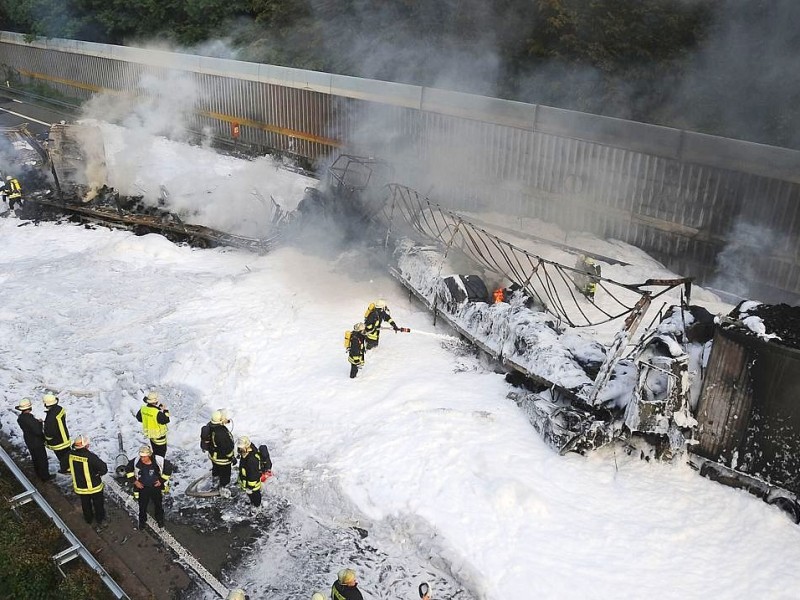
(347, 577)
(82, 441)
(243, 443)
(49, 399)
(318, 596)
(380, 303)
(359, 327)
(24, 404)
(145, 451)
(151, 398)
(237, 594)
(218, 417)
(9, 178)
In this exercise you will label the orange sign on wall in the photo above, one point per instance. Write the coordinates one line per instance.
(235, 130)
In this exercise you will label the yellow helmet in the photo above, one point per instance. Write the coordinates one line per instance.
(49, 399)
(151, 398)
(380, 303)
(82, 441)
(318, 596)
(145, 451)
(237, 594)
(243, 443)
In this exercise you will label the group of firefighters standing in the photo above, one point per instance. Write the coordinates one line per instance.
(366, 334)
(149, 472)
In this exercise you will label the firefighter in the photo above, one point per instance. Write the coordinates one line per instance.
(346, 587)
(587, 276)
(33, 434)
(255, 467)
(56, 434)
(3, 193)
(376, 314)
(13, 192)
(150, 476)
(154, 417)
(217, 440)
(87, 471)
(356, 349)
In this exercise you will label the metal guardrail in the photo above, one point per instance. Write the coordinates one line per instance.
(76, 549)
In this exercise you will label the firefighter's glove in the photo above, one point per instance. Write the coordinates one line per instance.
(248, 491)
(396, 328)
(233, 461)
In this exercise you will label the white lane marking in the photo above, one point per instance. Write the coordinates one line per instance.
(17, 101)
(26, 117)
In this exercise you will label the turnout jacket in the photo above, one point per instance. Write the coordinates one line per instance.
(340, 591)
(154, 421)
(250, 469)
(14, 189)
(159, 469)
(56, 433)
(220, 444)
(355, 353)
(373, 319)
(87, 470)
(32, 430)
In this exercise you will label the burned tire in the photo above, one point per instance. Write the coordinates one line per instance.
(788, 506)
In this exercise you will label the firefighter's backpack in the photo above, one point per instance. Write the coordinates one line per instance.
(205, 437)
(347, 339)
(264, 461)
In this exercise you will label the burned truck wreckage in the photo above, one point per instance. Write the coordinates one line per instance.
(594, 360)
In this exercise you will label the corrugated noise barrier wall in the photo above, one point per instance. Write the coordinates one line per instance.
(724, 211)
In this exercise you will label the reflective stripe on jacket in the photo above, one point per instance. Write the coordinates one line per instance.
(87, 471)
(373, 319)
(222, 446)
(56, 434)
(250, 470)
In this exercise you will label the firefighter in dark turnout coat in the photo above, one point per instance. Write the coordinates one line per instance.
(150, 476)
(87, 471)
(33, 433)
(346, 587)
(217, 440)
(56, 434)
(255, 466)
(376, 314)
(356, 349)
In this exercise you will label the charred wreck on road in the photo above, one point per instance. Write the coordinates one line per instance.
(594, 361)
